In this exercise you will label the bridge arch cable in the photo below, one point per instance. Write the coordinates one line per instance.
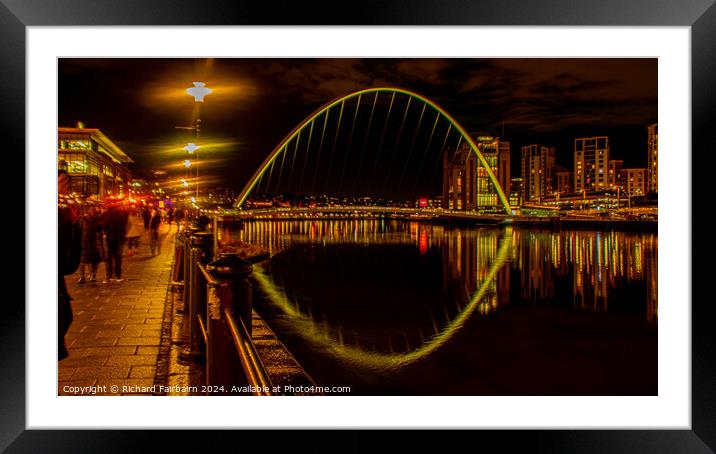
(308, 123)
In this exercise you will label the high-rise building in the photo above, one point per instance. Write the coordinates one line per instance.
(591, 163)
(466, 183)
(652, 160)
(537, 165)
(516, 192)
(459, 178)
(636, 182)
(493, 150)
(503, 170)
(617, 174)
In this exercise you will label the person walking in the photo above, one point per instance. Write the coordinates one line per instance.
(146, 215)
(92, 244)
(69, 253)
(133, 233)
(170, 215)
(179, 215)
(115, 228)
(154, 233)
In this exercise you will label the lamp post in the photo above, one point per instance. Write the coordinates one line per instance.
(191, 148)
(198, 91)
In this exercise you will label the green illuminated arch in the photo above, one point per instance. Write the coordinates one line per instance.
(283, 144)
(382, 361)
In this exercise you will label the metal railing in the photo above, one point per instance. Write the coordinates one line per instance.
(217, 302)
(254, 368)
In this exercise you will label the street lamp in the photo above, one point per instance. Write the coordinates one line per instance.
(198, 91)
(190, 148)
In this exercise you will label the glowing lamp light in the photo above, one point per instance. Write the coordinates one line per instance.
(191, 148)
(193, 200)
(184, 183)
(187, 163)
(198, 91)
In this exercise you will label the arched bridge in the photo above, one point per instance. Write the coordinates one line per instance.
(290, 143)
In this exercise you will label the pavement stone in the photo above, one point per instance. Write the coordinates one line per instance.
(116, 330)
(127, 338)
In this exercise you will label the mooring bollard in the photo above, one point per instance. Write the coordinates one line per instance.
(201, 253)
(231, 290)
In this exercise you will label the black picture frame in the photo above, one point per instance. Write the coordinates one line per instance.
(700, 15)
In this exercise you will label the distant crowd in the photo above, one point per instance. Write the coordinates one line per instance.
(91, 234)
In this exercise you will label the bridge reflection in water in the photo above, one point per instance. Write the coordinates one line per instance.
(396, 307)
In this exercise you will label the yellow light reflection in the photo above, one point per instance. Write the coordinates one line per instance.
(313, 332)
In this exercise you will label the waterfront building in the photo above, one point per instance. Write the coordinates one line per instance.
(637, 182)
(516, 192)
(652, 159)
(459, 178)
(96, 165)
(591, 161)
(503, 172)
(466, 183)
(617, 174)
(537, 166)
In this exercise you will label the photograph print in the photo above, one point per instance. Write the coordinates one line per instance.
(352, 227)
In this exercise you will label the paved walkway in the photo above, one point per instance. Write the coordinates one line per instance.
(114, 339)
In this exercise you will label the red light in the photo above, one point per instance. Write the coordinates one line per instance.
(423, 203)
(423, 242)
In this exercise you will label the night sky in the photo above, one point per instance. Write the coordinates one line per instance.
(138, 102)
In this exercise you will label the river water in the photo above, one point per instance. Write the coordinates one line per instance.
(391, 307)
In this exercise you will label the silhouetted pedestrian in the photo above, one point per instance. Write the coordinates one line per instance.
(178, 217)
(147, 216)
(92, 244)
(171, 217)
(69, 243)
(154, 232)
(115, 228)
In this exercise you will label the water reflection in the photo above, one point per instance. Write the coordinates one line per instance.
(397, 343)
(384, 293)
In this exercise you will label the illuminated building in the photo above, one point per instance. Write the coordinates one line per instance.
(537, 165)
(591, 163)
(97, 167)
(617, 175)
(652, 160)
(637, 182)
(516, 192)
(466, 184)
(503, 169)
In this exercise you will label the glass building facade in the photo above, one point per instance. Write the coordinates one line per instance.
(97, 167)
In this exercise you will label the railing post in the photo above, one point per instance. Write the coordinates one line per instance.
(178, 269)
(188, 232)
(233, 292)
(201, 253)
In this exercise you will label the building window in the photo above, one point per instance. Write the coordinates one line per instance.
(75, 145)
(74, 162)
